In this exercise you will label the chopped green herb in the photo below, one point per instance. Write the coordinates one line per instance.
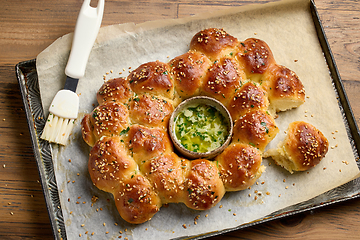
(125, 131)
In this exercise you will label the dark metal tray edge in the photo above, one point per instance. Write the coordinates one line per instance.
(29, 87)
(28, 81)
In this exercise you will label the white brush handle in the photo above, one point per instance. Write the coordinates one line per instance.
(86, 30)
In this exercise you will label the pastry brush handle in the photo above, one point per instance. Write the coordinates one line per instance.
(86, 30)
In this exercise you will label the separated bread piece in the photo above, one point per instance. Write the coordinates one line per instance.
(255, 128)
(189, 71)
(153, 78)
(109, 164)
(150, 111)
(284, 88)
(215, 43)
(303, 148)
(255, 58)
(136, 200)
(224, 77)
(240, 166)
(248, 98)
(203, 186)
(145, 143)
(114, 90)
(108, 119)
(166, 173)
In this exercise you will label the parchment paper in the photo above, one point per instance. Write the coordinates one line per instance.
(288, 29)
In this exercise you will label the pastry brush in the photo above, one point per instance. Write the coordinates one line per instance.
(65, 105)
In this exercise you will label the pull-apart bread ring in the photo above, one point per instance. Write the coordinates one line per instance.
(132, 155)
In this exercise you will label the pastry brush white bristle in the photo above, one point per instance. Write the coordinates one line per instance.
(65, 105)
(57, 129)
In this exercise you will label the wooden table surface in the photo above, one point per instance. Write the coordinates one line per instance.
(28, 27)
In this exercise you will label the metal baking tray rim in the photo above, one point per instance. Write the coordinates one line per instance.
(29, 87)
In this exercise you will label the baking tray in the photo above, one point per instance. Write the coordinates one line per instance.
(29, 86)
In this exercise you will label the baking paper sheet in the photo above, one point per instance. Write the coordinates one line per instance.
(288, 29)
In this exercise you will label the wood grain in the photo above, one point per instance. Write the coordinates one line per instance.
(28, 27)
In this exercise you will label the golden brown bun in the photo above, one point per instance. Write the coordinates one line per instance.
(255, 128)
(108, 119)
(248, 98)
(224, 78)
(136, 200)
(240, 166)
(150, 111)
(203, 186)
(109, 164)
(152, 78)
(215, 43)
(146, 143)
(284, 88)
(302, 149)
(114, 90)
(255, 57)
(189, 71)
(166, 173)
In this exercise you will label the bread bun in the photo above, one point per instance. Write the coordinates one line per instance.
(203, 186)
(152, 78)
(256, 128)
(303, 148)
(150, 111)
(249, 97)
(114, 90)
(144, 143)
(108, 119)
(109, 164)
(255, 58)
(224, 77)
(190, 73)
(285, 90)
(166, 173)
(215, 43)
(240, 166)
(135, 199)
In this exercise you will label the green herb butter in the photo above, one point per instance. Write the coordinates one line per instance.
(201, 128)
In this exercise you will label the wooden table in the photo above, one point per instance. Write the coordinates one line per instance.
(28, 27)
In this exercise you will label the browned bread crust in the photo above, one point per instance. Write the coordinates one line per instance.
(153, 78)
(255, 57)
(108, 119)
(132, 156)
(249, 97)
(190, 73)
(240, 166)
(114, 90)
(256, 128)
(303, 148)
(224, 77)
(214, 43)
